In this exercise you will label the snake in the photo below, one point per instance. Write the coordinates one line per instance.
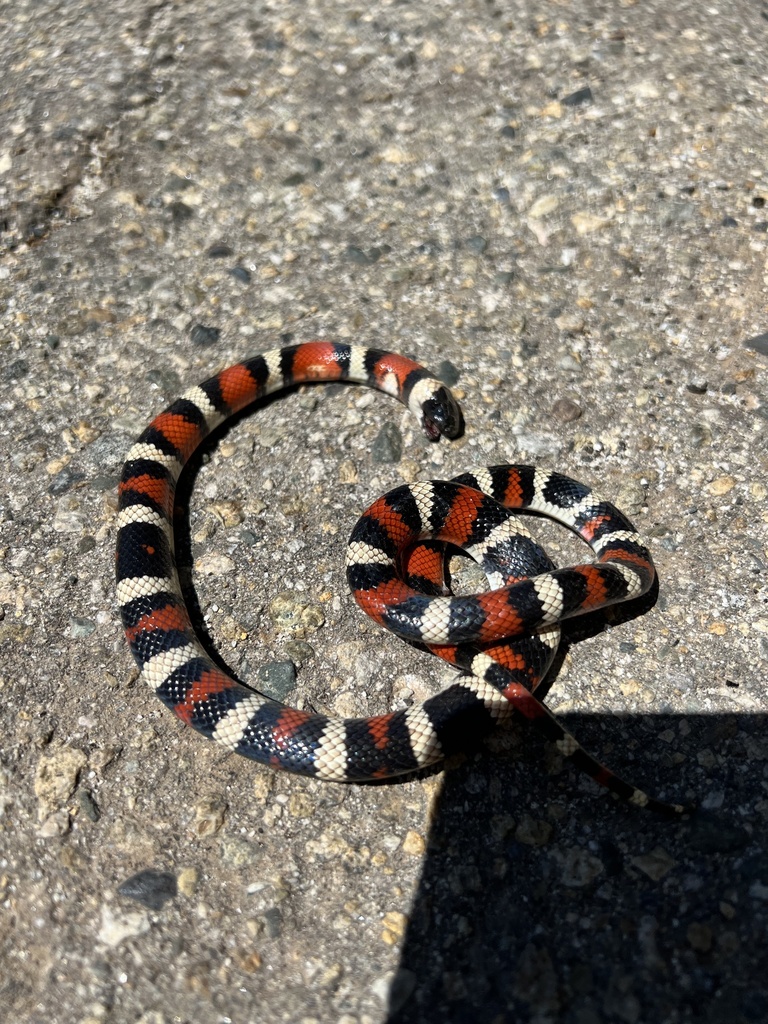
(503, 639)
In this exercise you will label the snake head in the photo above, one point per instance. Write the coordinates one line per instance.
(440, 415)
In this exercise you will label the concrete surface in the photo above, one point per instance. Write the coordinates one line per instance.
(565, 203)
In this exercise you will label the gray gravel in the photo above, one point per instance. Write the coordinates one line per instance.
(563, 207)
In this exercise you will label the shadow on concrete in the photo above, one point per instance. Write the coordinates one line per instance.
(543, 900)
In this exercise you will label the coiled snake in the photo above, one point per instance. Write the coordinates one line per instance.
(504, 639)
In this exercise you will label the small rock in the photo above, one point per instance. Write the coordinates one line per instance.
(578, 98)
(394, 925)
(348, 472)
(186, 881)
(544, 206)
(758, 344)
(237, 852)
(570, 322)
(209, 816)
(701, 435)
(68, 521)
(477, 244)
(215, 565)
(15, 370)
(397, 275)
(532, 832)
(655, 864)
(301, 805)
(535, 981)
(721, 485)
(713, 800)
(56, 778)
(272, 921)
(566, 410)
(151, 888)
(299, 651)
(64, 481)
(220, 250)
(409, 470)
(56, 824)
(631, 497)
(229, 512)
(80, 628)
(166, 379)
(448, 373)
(277, 679)
(588, 223)
(249, 962)
(580, 867)
(357, 256)
(414, 844)
(180, 213)
(388, 445)
(88, 805)
(241, 274)
(177, 183)
(115, 927)
(292, 612)
(204, 336)
(758, 891)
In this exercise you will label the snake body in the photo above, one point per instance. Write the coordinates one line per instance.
(504, 639)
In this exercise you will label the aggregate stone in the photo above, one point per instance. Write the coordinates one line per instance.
(65, 480)
(579, 867)
(477, 244)
(150, 887)
(356, 255)
(241, 274)
(88, 804)
(448, 373)
(56, 777)
(204, 335)
(117, 926)
(295, 613)
(277, 679)
(578, 98)
(300, 651)
(655, 864)
(387, 446)
(219, 251)
(758, 344)
(80, 627)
